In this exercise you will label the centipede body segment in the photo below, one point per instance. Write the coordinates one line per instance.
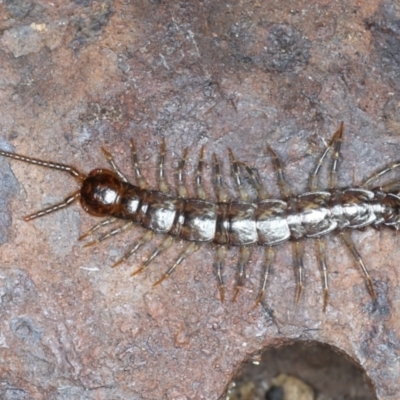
(242, 223)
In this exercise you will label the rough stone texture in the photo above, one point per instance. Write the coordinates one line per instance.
(78, 75)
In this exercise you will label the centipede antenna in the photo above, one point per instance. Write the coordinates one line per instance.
(313, 180)
(299, 252)
(383, 171)
(201, 193)
(243, 195)
(221, 254)
(168, 241)
(219, 189)
(47, 164)
(67, 202)
(322, 263)
(283, 185)
(147, 237)
(114, 232)
(350, 245)
(136, 167)
(182, 191)
(244, 256)
(162, 181)
(110, 159)
(187, 251)
(96, 227)
(269, 258)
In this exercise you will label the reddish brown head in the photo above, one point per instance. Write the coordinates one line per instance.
(101, 192)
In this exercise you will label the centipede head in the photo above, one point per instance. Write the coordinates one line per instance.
(100, 192)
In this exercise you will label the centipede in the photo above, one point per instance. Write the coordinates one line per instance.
(246, 222)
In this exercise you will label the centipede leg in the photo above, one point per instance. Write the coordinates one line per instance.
(162, 181)
(299, 252)
(350, 245)
(336, 143)
(322, 263)
(182, 191)
(269, 258)
(165, 244)
(243, 195)
(254, 176)
(147, 237)
(110, 159)
(221, 254)
(96, 227)
(392, 166)
(218, 187)
(393, 187)
(114, 232)
(187, 251)
(201, 193)
(66, 203)
(244, 255)
(283, 185)
(313, 180)
(142, 183)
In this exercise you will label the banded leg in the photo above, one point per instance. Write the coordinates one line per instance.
(221, 254)
(254, 176)
(162, 182)
(142, 183)
(393, 187)
(182, 191)
(336, 157)
(147, 237)
(299, 252)
(96, 227)
(322, 263)
(61, 167)
(66, 203)
(244, 255)
(107, 235)
(269, 258)
(165, 244)
(243, 195)
(187, 251)
(283, 185)
(110, 159)
(392, 166)
(222, 196)
(350, 245)
(334, 143)
(201, 194)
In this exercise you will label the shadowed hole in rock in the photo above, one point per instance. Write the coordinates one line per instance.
(300, 371)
